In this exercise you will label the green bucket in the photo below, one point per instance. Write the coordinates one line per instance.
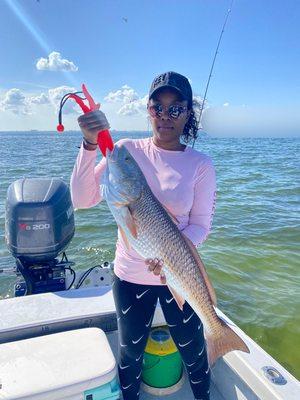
(162, 365)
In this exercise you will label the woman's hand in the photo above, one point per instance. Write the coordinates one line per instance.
(91, 123)
(155, 265)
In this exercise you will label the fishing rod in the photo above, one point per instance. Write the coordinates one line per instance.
(212, 67)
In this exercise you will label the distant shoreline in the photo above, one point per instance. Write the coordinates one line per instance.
(66, 131)
(201, 135)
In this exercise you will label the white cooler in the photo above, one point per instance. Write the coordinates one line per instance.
(72, 365)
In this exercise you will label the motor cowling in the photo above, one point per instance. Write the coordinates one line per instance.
(39, 220)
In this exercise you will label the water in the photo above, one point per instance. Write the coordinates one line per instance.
(251, 254)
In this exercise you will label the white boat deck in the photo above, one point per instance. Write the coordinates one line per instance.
(236, 376)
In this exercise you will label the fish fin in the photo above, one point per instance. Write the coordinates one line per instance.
(228, 341)
(124, 237)
(172, 216)
(201, 266)
(129, 221)
(179, 299)
(118, 204)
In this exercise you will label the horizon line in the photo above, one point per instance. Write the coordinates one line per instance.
(203, 134)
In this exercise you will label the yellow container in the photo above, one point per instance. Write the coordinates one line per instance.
(162, 367)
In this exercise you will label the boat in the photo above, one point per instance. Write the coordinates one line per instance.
(59, 334)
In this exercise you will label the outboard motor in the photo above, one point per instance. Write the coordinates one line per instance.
(39, 225)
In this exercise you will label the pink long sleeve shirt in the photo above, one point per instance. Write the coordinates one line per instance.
(183, 181)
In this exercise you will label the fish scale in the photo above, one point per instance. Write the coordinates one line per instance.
(151, 231)
(179, 265)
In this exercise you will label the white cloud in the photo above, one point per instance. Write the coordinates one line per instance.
(15, 101)
(55, 62)
(126, 110)
(55, 95)
(41, 99)
(124, 95)
(21, 110)
(136, 107)
(133, 105)
(198, 103)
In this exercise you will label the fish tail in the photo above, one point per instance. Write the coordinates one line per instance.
(218, 346)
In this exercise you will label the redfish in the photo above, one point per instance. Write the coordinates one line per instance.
(147, 226)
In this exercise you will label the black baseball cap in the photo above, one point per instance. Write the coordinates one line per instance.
(173, 80)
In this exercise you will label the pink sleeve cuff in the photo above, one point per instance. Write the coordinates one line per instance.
(84, 182)
(196, 233)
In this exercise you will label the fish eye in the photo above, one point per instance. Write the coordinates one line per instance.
(127, 158)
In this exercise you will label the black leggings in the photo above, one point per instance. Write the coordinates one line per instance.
(135, 306)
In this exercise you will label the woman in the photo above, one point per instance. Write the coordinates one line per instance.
(183, 180)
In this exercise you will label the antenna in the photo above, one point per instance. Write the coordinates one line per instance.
(212, 67)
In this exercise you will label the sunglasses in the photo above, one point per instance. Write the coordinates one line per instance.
(174, 111)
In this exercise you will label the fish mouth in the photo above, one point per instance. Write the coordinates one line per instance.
(110, 154)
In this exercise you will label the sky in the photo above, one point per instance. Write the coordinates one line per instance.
(117, 47)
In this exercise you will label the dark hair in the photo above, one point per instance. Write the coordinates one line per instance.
(190, 130)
